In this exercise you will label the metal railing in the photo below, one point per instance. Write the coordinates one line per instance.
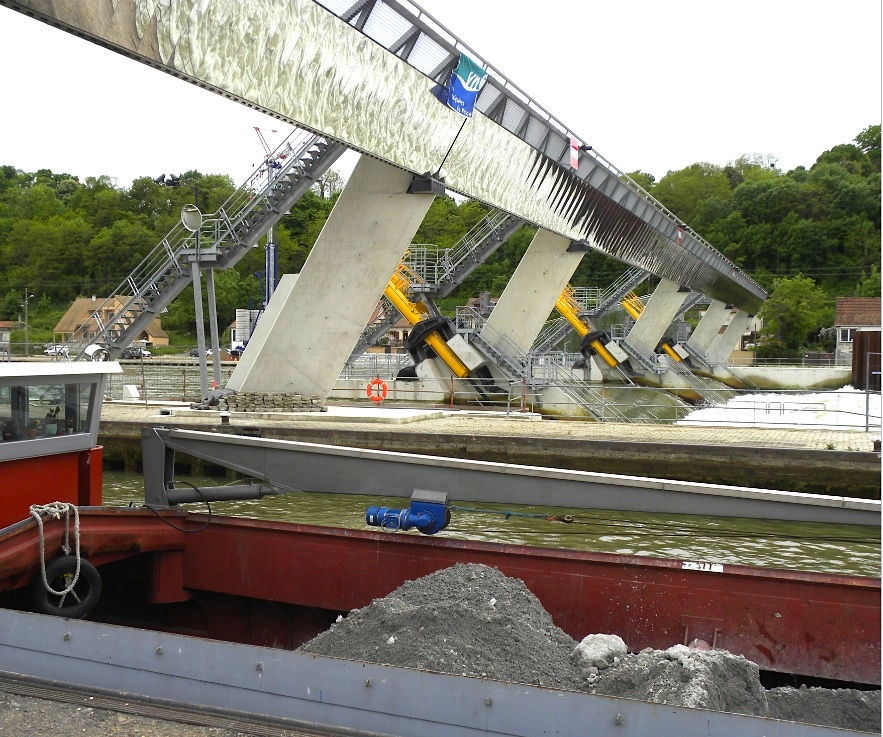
(221, 240)
(437, 266)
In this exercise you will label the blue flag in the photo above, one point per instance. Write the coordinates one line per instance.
(466, 82)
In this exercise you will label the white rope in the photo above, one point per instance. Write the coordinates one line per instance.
(55, 510)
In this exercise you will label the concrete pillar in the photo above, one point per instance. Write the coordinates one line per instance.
(657, 315)
(302, 344)
(213, 325)
(200, 326)
(728, 340)
(531, 293)
(708, 330)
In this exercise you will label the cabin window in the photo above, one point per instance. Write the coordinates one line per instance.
(30, 411)
(847, 335)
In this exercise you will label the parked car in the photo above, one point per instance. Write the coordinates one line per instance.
(55, 350)
(135, 351)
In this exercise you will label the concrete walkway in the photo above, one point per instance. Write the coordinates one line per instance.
(470, 422)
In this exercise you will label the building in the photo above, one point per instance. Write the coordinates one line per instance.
(853, 314)
(83, 313)
(6, 328)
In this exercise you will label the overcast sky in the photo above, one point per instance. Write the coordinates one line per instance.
(653, 85)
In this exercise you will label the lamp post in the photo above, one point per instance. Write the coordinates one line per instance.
(27, 329)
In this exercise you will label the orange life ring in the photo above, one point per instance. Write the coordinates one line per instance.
(376, 389)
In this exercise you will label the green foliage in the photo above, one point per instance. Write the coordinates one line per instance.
(682, 191)
(793, 315)
(642, 179)
(870, 285)
(61, 238)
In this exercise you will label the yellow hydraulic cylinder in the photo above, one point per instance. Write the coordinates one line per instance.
(633, 305)
(414, 312)
(569, 310)
(671, 352)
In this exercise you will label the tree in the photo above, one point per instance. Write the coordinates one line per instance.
(870, 285)
(683, 191)
(795, 312)
(869, 142)
(329, 184)
(642, 179)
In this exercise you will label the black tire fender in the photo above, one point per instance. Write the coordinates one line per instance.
(59, 572)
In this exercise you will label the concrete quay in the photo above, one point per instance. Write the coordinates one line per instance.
(837, 462)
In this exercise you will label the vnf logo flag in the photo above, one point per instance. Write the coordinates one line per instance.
(466, 82)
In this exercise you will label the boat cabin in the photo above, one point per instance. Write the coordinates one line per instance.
(49, 416)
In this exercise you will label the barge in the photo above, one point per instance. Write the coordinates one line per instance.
(165, 604)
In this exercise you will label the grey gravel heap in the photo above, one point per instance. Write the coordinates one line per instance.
(466, 620)
(472, 620)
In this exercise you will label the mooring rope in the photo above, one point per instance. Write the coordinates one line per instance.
(55, 510)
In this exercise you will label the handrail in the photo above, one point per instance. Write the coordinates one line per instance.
(170, 258)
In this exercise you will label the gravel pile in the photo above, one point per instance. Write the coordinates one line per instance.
(468, 620)
(472, 620)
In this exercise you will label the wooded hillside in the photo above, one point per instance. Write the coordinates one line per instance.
(61, 238)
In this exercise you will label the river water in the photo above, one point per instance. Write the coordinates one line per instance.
(823, 548)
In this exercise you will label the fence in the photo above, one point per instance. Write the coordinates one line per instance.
(159, 382)
(859, 410)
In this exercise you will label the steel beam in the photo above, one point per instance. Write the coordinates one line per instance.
(315, 692)
(292, 466)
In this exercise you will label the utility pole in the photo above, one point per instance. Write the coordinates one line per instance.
(27, 327)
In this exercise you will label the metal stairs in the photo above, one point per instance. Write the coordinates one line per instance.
(387, 316)
(440, 272)
(616, 292)
(223, 239)
(708, 389)
(648, 359)
(517, 365)
(594, 303)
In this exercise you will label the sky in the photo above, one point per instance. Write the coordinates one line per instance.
(651, 85)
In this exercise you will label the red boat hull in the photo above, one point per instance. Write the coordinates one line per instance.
(278, 584)
(66, 477)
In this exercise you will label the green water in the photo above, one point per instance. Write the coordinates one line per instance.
(802, 546)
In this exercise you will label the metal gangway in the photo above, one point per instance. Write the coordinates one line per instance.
(443, 270)
(219, 241)
(594, 302)
(537, 372)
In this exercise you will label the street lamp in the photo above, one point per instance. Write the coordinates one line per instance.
(27, 333)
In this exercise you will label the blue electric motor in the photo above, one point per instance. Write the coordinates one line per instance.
(429, 513)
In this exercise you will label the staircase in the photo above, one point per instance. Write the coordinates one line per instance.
(440, 272)
(518, 365)
(223, 239)
(616, 292)
(593, 303)
(444, 270)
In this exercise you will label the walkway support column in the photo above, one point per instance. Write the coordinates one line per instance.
(301, 344)
(530, 296)
(729, 339)
(657, 315)
(703, 338)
